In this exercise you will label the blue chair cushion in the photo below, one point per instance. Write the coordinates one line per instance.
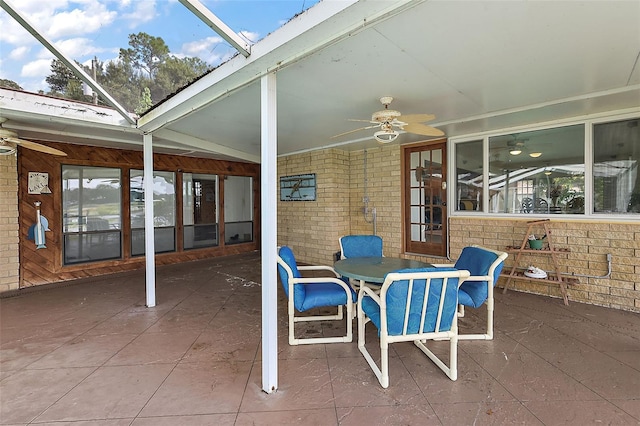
(397, 301)
(477, 261)
(324, 294)
(361, 246)
(299, 290)
(307, 296)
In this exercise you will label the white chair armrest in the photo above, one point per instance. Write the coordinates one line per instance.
(318, 268)
(444, 265)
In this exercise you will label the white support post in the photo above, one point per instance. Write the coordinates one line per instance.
(268, 189)
(149, 245)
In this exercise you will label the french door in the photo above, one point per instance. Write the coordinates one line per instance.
(425, 198)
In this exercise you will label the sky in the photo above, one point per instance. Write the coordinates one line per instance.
(83, 29)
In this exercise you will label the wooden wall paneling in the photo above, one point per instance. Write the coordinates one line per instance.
(45, 265)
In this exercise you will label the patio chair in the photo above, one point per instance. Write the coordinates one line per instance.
(485, 266)
(402, 313)
(305, 293)
(360, 246)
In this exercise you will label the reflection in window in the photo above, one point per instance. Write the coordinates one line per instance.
(200, 210)
(469, 176)
(91, 210)
(238, 209)
(616, 154)
(537, 172)
(164, 212)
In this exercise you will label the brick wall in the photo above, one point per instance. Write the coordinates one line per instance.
(312, 229)
(588, 242)
(9, 253)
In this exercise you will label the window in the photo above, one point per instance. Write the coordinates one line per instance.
(616, 154)
(238, 209)
(92, 214)
(469, 179)
(200, 210)
(164, 212)
(538, 172)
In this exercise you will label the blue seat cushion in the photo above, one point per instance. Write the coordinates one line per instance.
(307, 296)
(323, 294)
(477, 261)
(396, 301)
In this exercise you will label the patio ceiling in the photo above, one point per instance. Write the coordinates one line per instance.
(478, 66)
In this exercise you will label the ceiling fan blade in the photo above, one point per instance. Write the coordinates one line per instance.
(362, 121)
(36, 146)
(355, 130)
(421, 129)
(416, 118)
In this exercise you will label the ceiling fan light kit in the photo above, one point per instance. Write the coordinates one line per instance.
(385, 136)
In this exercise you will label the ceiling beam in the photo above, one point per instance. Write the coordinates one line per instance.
(217, 25)
(204, 145)
(78, 71)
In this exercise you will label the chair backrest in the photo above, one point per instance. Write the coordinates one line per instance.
(288, 270)
(403, 298)
(360, 246)
(480, 262)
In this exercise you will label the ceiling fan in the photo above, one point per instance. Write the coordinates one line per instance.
(388, 120)
(9, 142)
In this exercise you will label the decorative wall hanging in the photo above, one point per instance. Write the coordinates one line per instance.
(38, 183)
(298, 188)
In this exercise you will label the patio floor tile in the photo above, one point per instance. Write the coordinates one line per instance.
(91, 353)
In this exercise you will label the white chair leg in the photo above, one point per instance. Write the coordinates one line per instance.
(384, 360)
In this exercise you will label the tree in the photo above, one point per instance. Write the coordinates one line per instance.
(145, 101)
(9, 84)
(64, 83)
(146, 53)
(175, 73)
(144, 73)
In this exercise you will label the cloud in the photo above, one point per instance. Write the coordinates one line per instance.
(19, 53)
(213, 50)
(36, 68)
(93, 18)
(253, 37)
(209, 49)
(77, 47)
(144, 11)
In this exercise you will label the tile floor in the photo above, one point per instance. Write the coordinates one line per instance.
(91, 353)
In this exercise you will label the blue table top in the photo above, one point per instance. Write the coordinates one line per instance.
(374, 269)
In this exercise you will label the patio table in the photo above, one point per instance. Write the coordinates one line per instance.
(374, 269)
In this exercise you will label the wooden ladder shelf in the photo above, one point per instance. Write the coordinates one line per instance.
(552, 251)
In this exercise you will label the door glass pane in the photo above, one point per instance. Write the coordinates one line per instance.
(469, 181)
(164, 211)
(426, 194)
(238, 209)
(200, 210)
(616, 155)
(91, 210)
(538, 172)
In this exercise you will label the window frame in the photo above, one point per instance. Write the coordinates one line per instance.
(588, 122)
